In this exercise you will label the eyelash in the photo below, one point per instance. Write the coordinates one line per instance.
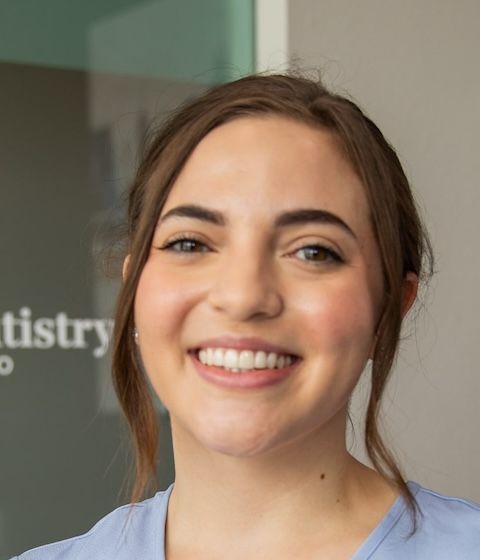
(199, 246)
(332, 257)
(184, 238)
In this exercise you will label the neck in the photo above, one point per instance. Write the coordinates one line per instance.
(286, 491)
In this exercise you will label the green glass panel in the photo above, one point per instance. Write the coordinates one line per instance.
(208, 41)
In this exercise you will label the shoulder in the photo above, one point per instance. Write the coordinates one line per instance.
(131, 531)
(447, 528)
(447, 515)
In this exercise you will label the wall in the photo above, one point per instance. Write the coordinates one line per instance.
(414, 67)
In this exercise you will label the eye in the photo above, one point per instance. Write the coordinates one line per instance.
(318, 254)
(185, 244)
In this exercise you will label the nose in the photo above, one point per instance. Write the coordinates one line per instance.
(246, 288)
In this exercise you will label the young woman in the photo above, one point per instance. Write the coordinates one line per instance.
(274, 248)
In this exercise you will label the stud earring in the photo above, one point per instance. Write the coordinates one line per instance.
(135, 335)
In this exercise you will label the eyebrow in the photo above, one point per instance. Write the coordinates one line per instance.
(292, 217)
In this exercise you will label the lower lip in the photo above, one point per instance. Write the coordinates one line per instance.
(253, 379)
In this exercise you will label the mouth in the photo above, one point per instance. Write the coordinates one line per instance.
(243, 370)
(245, 360)
(243, 363)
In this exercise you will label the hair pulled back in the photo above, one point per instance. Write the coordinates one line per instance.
(401, 238)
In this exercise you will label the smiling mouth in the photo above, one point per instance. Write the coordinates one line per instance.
(244, 360)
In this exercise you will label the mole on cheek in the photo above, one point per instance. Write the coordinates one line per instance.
(322, 476)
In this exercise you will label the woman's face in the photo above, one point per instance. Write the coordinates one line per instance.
(263, 253)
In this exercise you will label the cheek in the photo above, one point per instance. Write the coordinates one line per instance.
(161, 302)
(337, 325)
(338, 314)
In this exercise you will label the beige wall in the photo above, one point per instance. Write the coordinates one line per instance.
(414, 67)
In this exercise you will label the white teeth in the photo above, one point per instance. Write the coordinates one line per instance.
(230, 359)
(271, 360)
(218, 357)
(260, 360)
(243, 360)
(210, 356)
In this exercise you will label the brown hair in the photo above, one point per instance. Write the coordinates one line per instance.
(402, 241)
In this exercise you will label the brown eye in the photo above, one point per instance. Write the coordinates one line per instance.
(318, 254)
(185, 245)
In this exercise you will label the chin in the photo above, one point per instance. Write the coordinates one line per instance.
(247, 439)
(238, 447)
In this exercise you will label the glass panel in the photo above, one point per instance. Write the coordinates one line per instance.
(81, 84)
(208, 41)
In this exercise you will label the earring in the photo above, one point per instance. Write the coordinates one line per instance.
(135, 335)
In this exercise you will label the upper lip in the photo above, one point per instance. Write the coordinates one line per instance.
(243, 343)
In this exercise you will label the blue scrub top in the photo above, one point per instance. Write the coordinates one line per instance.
(448, 529)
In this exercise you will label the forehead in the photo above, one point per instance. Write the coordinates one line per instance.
(261, 165)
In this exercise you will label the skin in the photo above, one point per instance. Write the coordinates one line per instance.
(263, 469)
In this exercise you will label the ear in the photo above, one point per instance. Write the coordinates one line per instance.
(126, 262)
(409, 292)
